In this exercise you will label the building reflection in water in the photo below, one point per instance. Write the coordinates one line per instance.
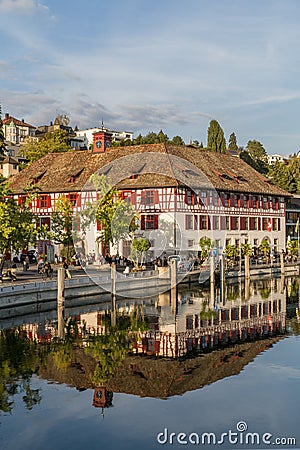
(147, 352)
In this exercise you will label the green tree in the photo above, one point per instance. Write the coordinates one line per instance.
(139, 247)
(205, 244)
(257, 151)
(215, 138)
(51, 143)
(2, 140)
(283, 176)
(247, 250)
(232, 252)
(292, 246)
(17, 224)
(115, 216)
(177, 140)
(232, 143)
(265, 248)
(256, 156)
(64, 224)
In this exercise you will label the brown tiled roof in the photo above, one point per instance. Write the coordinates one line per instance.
(17, 122)
(153, 165)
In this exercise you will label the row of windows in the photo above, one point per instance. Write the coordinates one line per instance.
(212, 198)
(198, 222)
(45, 201)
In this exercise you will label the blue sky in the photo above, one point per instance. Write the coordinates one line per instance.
(144, 65)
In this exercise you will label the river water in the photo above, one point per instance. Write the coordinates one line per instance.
(212, 370)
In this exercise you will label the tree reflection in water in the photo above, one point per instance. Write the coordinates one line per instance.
(19, 359)
(227, 334)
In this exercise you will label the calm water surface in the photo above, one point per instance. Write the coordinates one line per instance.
(203, 368)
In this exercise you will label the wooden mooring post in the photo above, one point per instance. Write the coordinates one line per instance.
(247, 267)
(212, 282)
(174, 296)
(282, 271)
(222, 278)
(61, 303)
(113, 294)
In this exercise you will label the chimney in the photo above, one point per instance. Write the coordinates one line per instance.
(6, 116)
(22, 120)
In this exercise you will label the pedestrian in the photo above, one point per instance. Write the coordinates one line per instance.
(66, 267)
(47, 268)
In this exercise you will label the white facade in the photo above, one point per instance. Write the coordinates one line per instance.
(117, 136)
(15, 130)
(272, 159)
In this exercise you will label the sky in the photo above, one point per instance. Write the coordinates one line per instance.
(144, 65)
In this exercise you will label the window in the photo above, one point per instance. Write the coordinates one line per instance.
(190, 197)
(149, 222)
(189, 222)
(189, 322)
(227, 221)
(191, 242)
(243, 223)
(149, 198)
(216, 222)
(203, 223)
(46, 221)
(234, 223)
(74, 199)
(44, 201)
(22, 200)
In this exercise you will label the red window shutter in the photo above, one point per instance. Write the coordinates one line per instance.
(133, 198)
(98, 225)
(143, 198)
(156, 197)
(155, 222)
(186, 198)
(78, 200)
(48, 201)
(38, 202)
(142, 222)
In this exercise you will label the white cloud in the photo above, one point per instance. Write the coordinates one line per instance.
(22, 6)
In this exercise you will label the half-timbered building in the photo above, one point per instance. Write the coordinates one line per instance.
(181, 193)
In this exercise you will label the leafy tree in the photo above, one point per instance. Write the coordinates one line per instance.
(162, 137)
(2, 140)
(205, 244)
(257, 151)
(115, 216)
(17, 224)
(247, 250)
(232, 144)
(259, 166)
(51, 143)
(283, 176)
(139, 247)
(232, 252)
(292, 246)
(215, 138)
(177, 140)
(63, 224)
(265, 248)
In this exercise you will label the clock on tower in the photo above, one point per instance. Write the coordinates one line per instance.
(102, 140)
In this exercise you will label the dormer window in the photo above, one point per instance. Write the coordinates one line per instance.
(38, 177)
(73, 176)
